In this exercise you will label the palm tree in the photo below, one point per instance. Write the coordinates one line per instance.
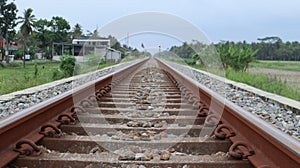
(27, 25)
(77, 31)
(27, 22)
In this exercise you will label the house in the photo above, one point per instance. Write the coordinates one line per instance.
(12, 48)
(83, 46)
(3, 47)
(87, 46)
(112, 55)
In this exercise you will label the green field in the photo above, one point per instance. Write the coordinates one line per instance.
(279, 77)
(280, 65)
(14, 77)
(265, 82)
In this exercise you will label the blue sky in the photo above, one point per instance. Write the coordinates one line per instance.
(234, 20)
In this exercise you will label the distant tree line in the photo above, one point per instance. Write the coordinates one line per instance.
(238, 55)
(273, 48)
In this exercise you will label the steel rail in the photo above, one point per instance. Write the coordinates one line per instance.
(272, 147)
(266, 145)
(26, 124)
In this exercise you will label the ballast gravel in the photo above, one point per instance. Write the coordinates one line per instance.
(269, 110)
(28, 98)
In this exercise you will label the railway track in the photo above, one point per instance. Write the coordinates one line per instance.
(147, 115)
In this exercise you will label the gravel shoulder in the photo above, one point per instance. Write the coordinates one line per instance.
(281, 112)
(20, 100)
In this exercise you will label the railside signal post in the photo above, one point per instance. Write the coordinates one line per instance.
(159, 48)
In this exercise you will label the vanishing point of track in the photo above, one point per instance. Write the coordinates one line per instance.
(145, 115)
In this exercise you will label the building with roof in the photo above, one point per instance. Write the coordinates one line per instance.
(83, 46)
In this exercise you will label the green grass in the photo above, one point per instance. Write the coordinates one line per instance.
(130, 58)
(85, 68)
(219, 72)
(263, 82)
(15, 77)
(280, 65)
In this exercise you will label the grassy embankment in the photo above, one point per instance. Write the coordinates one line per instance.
(265, 81)
(279, 65)
(14, 77)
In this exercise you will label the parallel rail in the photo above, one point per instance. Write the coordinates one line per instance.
(251, 138)
(27, 124)
(267, 143)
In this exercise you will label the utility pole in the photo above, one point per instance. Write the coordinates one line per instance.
(127, 40)
(2, 36)
(23, 52)
(51, 50)
(7, 48)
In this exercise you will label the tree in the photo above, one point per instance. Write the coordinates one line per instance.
(184, 51)
(272, 39)
(225, 50)
(237, 56)
(8, 17)
(27, 26)
(115, 44)
(68, 66)
(77, 30)
(268, 47)
(27, 22)
(207, 56)
(42, 34)
(93, 35)
(60, 29)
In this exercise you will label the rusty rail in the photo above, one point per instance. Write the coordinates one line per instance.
(263, 144)
(252, 138)
(26, 125)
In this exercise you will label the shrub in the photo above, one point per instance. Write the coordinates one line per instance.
(14, 64)
(190, 61)
(56, 74)
(94, 60)
(67, 65)
(36, 71)
(2, 65)
(102, 61)
(236, 57)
